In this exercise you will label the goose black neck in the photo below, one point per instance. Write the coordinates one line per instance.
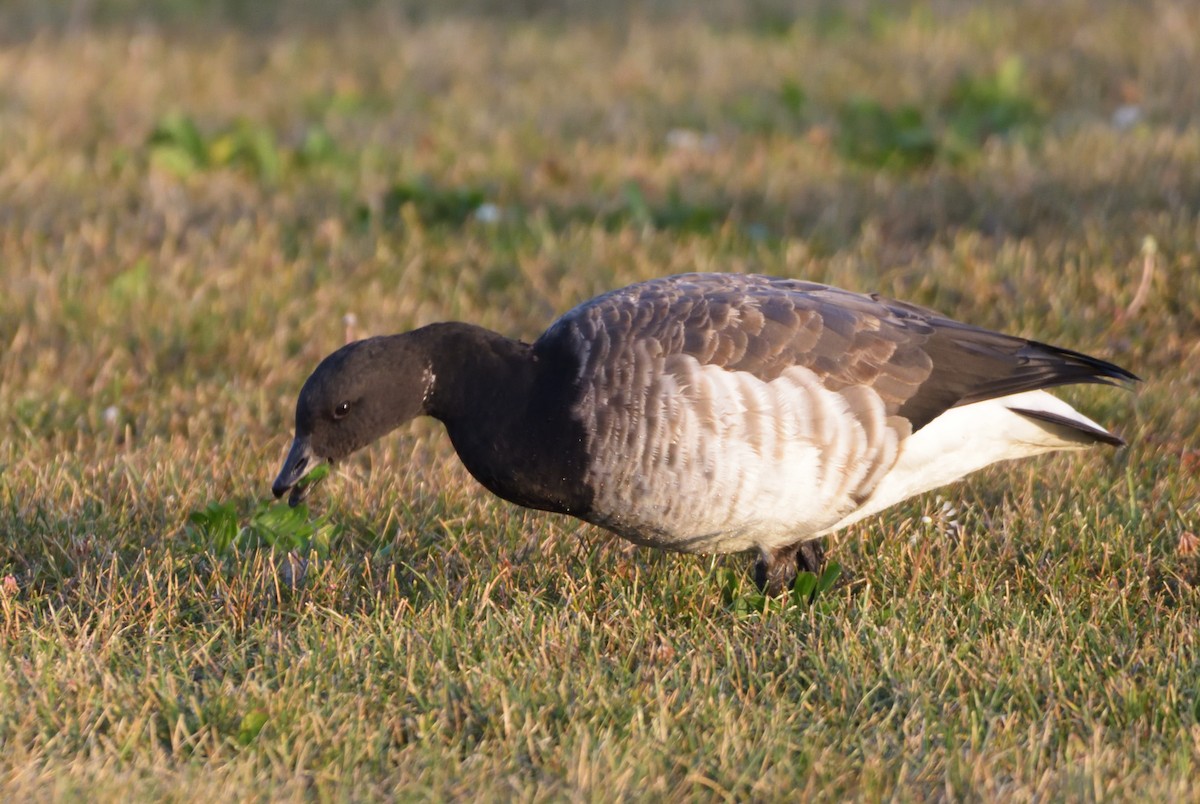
(475, 372)
(507, 411)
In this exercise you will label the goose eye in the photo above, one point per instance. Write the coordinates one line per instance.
(341, 410)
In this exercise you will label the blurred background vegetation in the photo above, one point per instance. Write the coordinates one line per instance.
(200, 200)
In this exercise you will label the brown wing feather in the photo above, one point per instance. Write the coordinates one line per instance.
(919, 362)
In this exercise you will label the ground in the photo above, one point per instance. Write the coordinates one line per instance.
(199, 201)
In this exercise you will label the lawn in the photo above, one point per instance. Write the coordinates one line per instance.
(199, 201)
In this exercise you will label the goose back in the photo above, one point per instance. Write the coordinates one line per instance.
(725, 411)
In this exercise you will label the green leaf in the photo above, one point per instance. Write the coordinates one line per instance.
(793, 96)
(317, 473)
(318, 147)
(829, 576)
(132, 284)
(214, 528)
(875, 136)
(278, 526)
(252, 724)
(809, 587)
(433, 204)
(635, 203)
(174, 160)
(262, 153)
(729, 586)
(805, 586)
(177, 146)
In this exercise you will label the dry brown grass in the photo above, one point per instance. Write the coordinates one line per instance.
(154, 328)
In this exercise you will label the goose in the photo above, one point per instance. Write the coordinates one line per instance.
(710, 413)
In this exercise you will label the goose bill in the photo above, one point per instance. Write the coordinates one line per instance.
(297, 462)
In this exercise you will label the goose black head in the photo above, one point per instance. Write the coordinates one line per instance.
(355, 396)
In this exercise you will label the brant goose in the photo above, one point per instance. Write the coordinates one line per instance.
(710, 412)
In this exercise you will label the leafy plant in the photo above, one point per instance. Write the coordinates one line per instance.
(318, 147)
(809, 586)
(793, 97)
(806, 590)
(132, 284)
(671, 214)
(252, 723)
(871, 134)
(982, 107)
(178, 146)
(249, 147)
(433, 204)
(218, 528)
(905, 138)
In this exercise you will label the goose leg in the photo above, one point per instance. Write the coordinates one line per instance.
(776, 570)
(811, 557)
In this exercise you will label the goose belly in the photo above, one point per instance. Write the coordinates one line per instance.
(703, 459)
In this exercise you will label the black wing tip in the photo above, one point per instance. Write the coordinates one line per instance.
(1077, 367)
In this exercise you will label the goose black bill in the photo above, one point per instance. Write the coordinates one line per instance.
(299, 460)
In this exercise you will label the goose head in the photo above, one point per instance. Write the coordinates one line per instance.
(355, 396)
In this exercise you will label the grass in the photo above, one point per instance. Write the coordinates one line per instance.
(193, 215)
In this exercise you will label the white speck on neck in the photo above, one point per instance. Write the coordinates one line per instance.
(428, 378)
